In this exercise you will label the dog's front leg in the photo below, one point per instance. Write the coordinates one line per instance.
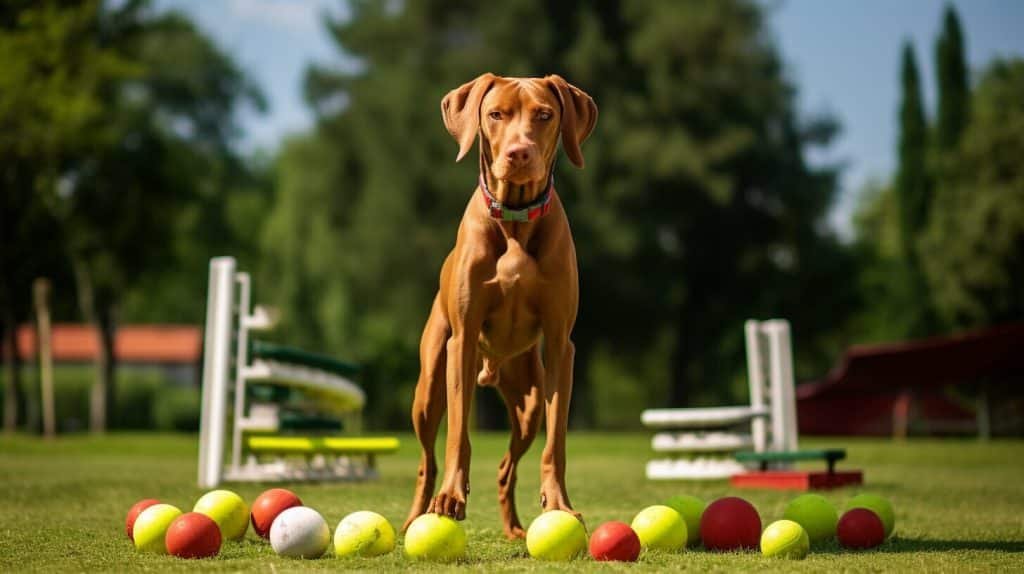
(559, 353)
(462, 349)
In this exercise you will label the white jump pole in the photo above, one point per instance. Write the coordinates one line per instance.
(756, 380)
(784, 427)
(216, 370)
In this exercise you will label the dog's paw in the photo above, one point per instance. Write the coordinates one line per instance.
(449, 502)
(553, 497)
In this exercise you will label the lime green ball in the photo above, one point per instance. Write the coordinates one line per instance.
(660, 527)
(435, 537)
(151, 527)
(785, 539)
(364, 533)
(879, 506)
(556, 535)
(691, 509)
(228, 510)
(816, 514)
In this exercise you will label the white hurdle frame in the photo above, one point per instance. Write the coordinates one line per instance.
(220, 310)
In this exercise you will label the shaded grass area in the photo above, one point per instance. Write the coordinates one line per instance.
(958, 505)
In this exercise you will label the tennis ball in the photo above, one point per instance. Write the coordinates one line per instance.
(785, 539)
(879, 506)
(228, 510)
(364, 533)
(134, 512)
(435, 537)
(691, 509)
(816, 514)
(660, 527)
(151, 526)
(556, 535)
(300, 532)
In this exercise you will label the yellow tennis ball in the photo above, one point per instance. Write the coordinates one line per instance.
(364, 533)
(151, 527)
(556, 535)
(660, 527)
(785, 539)
(435, 537)
(228, 510)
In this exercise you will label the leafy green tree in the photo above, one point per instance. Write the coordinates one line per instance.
(133, 112)
(954, 95)
(50, 112)
(975, 239)
(696, 210)
(913, 190)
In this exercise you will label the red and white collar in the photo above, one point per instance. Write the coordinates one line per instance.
(535, 210)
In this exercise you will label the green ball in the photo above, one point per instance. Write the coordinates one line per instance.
(364, 533)
(660, 527)
(435, 537)
(228, 510)
(879, 506)
(691, 509)
(816, 514)
(151, 527)
(785, 539)
(556, 535)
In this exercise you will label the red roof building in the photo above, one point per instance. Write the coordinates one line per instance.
(935, 385)
(139, 344)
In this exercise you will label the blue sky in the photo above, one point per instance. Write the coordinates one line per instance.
(842, 54)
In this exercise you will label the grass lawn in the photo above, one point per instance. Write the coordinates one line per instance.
(959, 505)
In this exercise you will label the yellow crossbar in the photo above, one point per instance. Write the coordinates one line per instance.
(310, 445)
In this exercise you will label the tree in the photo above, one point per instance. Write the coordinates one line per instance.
(50, 110)
(913, 193)
(696, 210)
(144, 122)
(951, 66)
(975, 239)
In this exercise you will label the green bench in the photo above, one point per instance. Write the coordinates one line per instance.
(795, 479)
(764, 459)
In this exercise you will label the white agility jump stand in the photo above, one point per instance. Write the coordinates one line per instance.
(228, 367)
(701, 443)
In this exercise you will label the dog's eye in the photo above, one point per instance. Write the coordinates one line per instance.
(543, 115)
(494, 115)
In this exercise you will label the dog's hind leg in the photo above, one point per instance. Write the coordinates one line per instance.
(520, 386)
(429, 405)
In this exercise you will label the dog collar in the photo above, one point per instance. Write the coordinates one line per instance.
(537, 209)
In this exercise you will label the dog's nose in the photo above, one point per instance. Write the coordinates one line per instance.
(518, 154)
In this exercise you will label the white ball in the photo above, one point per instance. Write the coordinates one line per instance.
(300, 532)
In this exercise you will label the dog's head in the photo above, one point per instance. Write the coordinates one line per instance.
(519, 121)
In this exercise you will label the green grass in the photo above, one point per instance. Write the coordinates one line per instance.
(958, 504)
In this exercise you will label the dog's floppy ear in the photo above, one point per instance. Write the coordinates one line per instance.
(579, 115)
(461, 111)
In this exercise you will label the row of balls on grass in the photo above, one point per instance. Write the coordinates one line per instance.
(729, 524)
(294, 530)
(297, 531)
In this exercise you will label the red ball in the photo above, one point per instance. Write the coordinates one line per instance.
(615, 541)
(268, 505)
(193, 535)
(860, 528)
(730, 523)
(134, 512)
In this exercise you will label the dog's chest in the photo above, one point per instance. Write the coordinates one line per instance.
(516, 272)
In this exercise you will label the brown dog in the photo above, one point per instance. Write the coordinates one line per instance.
(508, 288)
